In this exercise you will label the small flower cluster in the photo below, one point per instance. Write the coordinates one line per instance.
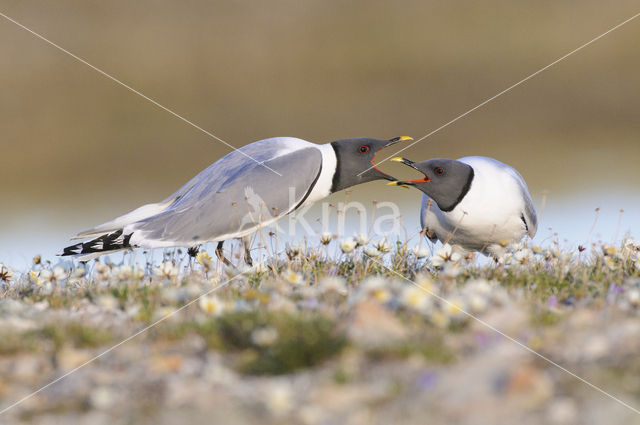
(306, 278)
(627, 256)
(440, 306)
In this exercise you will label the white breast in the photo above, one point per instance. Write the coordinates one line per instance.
(490, 213)
(322, 188)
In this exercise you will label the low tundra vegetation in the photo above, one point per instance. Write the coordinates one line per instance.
(384, 299)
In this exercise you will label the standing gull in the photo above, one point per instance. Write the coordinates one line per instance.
(474, 203)
(245, 190)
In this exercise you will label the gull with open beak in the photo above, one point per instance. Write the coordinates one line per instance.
(474, 203)
(249, 188)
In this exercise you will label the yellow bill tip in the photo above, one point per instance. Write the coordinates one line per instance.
(397, 159)
(398, 184)
(405, 139)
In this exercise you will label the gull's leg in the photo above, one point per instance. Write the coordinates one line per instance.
(246, 241)
(220, 254)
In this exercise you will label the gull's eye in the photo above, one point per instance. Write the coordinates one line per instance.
(363, 149)
(439, 171)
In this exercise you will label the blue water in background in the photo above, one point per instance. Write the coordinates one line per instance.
(567, 219)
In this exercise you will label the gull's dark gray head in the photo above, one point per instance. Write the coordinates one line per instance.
(356, 161)
(446, 181)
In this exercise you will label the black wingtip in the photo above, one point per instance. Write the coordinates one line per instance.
(105, 243)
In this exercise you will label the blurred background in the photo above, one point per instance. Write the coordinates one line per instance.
(77, 149)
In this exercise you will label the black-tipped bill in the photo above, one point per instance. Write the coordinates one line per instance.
(391, 142)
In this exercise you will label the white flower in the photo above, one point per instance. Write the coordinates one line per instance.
(103, 398)
(78, 272)
(107, 301)
(123, 272)
(450, 270)
(48, 276)
(610, 262)
(455, 308)
(326, 238)
(333, 284)
(377, 288)
(516, 246)
(629, 247)
(103, 271)
(503, 257)
(439, 319)
(478, 303)
(426, 283)
(293, 277)
(633, 296)
(279, 399)
(41, 277)
(445, 254)
(610, 250)
(478, 286)
(347, 245)
(361, 240)
(383, 246)
(264, 336)
(416, 298)
(420, 251)
(371, 252)
(59, 274)
(166, 270)
(211, 305)
(382, 295)
(523, 256)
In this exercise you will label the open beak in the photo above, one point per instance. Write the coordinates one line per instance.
(408, 183)
(391, 142)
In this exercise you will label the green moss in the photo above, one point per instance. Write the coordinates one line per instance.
(301, 342)
(340, 376)
(432, 350)
(13, 343)
(545, 318)
(74, 334)
(121, 293)
(57, 335)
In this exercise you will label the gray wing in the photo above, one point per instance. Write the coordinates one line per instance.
(230, 201)
(529, 213)
(216, 174)
(208, 180)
